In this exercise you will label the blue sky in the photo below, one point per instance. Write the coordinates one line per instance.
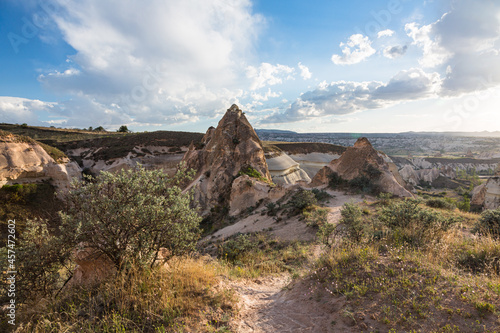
(320, 66)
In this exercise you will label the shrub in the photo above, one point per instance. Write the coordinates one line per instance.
(440, 203)
(334, 180)
(385, 198)
(412, 224)
(251, 172)
(479, 256)
(272, 209)
(372, 172)
(489, 222)
(364, 184)
(316, 217)
(236, 246)
(303, 199)
(123, 129)
(352, 222)
(129, 215)
(39, 262)
(464, 205)
(321, 195)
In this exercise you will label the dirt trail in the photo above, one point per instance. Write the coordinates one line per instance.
(273, 305)
(276, 304)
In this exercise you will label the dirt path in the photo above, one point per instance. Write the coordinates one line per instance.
(272, 304)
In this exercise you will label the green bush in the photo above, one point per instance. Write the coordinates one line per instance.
(385, 198)
(236, 246)
(303, 199)
(316, 217)
(409, 223)
(489, 222)
(464, 205)
(321, 195)
(129, 215)
(364, 184)
(352, 222)
(440, 203)
(479, 256)
(335, 181)
(272, 209)
(39, 262)
(251, 172)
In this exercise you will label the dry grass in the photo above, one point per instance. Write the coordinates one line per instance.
(447, 284)
(183, 296)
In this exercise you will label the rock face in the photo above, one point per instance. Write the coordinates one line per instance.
(247, 192)
(28, 162)
(363, 160)
(284, 170)
(487, 195)
(226, 150)
(91, 268)
(427, 170)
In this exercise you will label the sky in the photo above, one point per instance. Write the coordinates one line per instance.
(373, 66)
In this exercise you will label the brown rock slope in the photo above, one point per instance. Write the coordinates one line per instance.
(226, 150)
(363, 160)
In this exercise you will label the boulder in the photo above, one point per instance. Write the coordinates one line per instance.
(91, 267)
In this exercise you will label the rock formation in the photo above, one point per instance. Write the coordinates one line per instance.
(225, 151)
(25, 161)
(487, 195)
(284, 170)
(91, 268)
(363, 160)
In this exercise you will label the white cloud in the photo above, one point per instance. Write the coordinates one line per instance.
(357, 49)
(466, 42)
(268, 75)
(304, 72)
(265, 97)
(163, 56)
(385, 33)
(23, 110)
(434, 53)
(344, 97)
(393, 52)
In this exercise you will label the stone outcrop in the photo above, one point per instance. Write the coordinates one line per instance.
(284, 170)
(24, 161)
(363, 160)
(416, 171)
(91, 267)
(247, 192)
(487, 195)
(226, 150)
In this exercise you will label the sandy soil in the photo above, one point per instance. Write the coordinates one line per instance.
(277, 304)
(288, 229)
(273, 304)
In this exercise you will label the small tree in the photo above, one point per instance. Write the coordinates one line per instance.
(123, 129)
(128, 216)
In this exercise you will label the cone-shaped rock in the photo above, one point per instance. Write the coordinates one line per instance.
(224, 152)
(364, 160)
